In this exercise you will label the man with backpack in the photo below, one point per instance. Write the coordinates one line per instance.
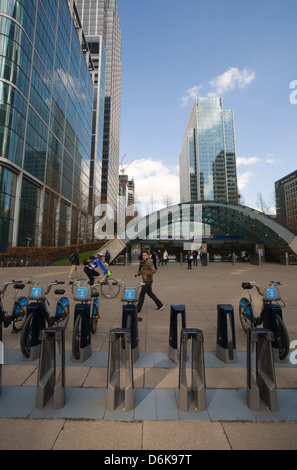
(91, 264)
(74, 259)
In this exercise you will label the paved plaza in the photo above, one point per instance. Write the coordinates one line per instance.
(156, 422)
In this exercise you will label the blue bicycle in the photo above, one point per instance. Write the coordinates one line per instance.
(18, 313)
(84, 293)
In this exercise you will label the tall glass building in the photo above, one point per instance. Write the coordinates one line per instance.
(101, 18)
(46, 94)
(207, 159)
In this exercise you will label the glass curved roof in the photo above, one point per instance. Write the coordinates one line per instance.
(212, 219)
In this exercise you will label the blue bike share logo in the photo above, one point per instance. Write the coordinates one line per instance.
(36, 292)
(129, 294)
(82, 293)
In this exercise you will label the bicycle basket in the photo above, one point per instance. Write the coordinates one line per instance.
(82, 294)
(271, 294)
(36, 293)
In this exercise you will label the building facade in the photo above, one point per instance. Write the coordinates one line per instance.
(46, 95)
(208, 158)
(101, 18)
(286, 200)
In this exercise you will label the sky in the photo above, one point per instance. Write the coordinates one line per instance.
(175, 50)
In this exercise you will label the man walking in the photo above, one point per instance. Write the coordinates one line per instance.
(74, 259)
(146, 270)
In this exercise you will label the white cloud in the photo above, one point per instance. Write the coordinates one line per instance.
(153, 181)
(222, 84)
(231, 79)
(247, 160)
(243, 179)
(191, 94)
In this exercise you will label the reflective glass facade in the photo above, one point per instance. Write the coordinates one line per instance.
(207, 159)
(46, 95)
(101, 18)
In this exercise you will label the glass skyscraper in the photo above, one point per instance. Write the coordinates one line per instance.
(46, 95)
(208, 159)
(100, 18)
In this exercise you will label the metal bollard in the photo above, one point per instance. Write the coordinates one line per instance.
(173, 339)
(51, 372)
(226, 344)
(130, 321)
(262, 383)
(115, 395)
(197, 392)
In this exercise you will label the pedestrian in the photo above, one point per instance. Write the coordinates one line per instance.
(189, 259)
(160, 257)
(146, 270)
(195, 257)
(74, 259)
(165, 257)
(107, 257)
(91, 264)
(154, 258)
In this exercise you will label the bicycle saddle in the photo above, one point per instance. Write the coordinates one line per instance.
(95, 294)
(246, 285)
(18, 286)
(59, 291)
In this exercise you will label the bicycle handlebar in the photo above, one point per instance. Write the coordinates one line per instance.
(7, 283)
(249, 285)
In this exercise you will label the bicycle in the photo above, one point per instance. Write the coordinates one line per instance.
(85, 294)
(18, 313)
(109, 287)
(59, 318)
(248, 319)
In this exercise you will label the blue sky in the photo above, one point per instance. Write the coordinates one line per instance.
(242, 50)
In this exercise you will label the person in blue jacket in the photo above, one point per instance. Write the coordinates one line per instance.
(92, 265)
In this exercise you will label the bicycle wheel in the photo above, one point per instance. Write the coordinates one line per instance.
(245, 319)
(26, 336)
(110, 288)
(283, 340)
(76, 337)
(62, 315)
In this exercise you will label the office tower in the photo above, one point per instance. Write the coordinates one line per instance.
(286, 200)
(46, 95)
(207, 159)
(101, 18)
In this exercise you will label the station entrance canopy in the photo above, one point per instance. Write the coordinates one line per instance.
(206, 220)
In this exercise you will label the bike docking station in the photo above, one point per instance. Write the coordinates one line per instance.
(196, 395)
(116, 396)
(36, 308)
(123, 347)
(130, 318)
(226, 343)
(175, 310)
(269, 323)
(84, 296)
(261, 381)
(51, 371)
